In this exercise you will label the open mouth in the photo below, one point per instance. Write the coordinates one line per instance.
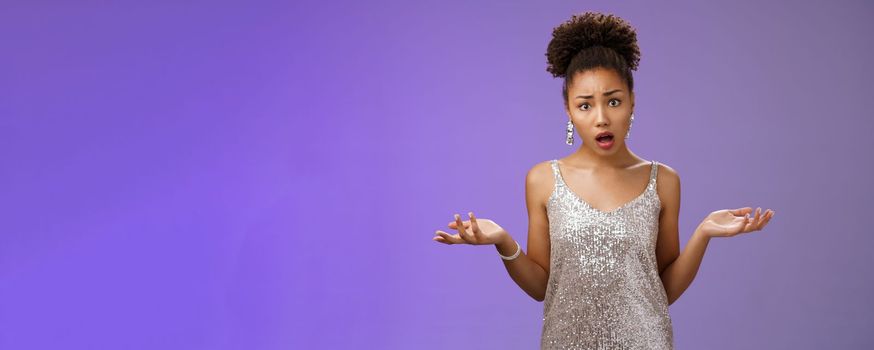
(604, 137)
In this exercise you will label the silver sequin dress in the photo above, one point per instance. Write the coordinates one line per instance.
(604, 290)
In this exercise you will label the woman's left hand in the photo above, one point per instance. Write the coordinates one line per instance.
(730, 222)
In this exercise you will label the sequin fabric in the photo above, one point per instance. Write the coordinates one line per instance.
(604, 290)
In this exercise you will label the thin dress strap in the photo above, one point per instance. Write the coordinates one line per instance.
(653, 173)
(556, 172)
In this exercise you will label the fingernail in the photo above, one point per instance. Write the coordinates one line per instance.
(457, 217)
(470, 213)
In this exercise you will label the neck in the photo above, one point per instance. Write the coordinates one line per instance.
(622, 158)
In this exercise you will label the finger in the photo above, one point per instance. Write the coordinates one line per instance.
(762, 218)
(761, 222)
(450, 239)
(741, 211)
(462, 232)
(768, 216)
(757, 224)
(752, 222)
(453, 224)
(747, 224)
(474, 226)
(444, 240)
(440, 239)
(757, 218)
(740, 228)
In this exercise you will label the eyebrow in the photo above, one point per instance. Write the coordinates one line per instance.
(608, 93)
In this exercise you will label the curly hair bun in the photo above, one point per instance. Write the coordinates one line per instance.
(587, 30)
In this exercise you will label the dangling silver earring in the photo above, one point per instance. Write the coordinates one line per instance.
(570, 133)
(629, 126)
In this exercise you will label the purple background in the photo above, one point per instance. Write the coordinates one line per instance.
(240, 175)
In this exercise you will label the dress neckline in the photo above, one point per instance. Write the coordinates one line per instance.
(611, 211)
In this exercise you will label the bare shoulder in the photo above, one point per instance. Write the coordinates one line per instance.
(668, 185)
(667, 172)
(539, 182)
(538, 188)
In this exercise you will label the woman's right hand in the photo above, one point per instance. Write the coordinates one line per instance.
(473, 231)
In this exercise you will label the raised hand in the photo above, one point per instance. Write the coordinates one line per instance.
(473, 231)
(730, 222)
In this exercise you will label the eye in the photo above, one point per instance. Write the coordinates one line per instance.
(584, 105)
(614, 105)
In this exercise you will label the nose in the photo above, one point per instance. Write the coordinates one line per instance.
(601, 118)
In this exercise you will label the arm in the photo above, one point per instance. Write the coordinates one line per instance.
(676, 270)
(531, 271)
(679, 274)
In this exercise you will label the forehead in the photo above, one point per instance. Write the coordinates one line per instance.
(596, 80)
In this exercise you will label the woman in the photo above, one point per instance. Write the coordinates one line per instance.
(602, 255)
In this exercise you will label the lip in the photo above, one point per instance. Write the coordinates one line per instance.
(603, 133)
(605, 145)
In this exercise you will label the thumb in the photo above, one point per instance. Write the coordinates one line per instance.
(453, 224)
(741, 211)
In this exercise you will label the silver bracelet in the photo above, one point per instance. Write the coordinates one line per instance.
(514, 256)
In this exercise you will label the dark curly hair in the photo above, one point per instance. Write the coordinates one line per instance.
(592, 40)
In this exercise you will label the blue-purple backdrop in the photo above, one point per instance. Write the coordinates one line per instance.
(268, 175)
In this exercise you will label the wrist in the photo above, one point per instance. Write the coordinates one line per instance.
(517, 249)
(506, 245)
(700, 234)
(505, 241)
